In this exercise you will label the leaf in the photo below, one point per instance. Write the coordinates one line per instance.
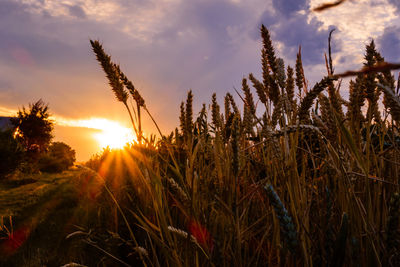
(380, 67)
(76, 233)
(351, 144)
(328, 5)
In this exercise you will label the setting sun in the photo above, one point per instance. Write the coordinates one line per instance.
(114, 137)
(111, 133)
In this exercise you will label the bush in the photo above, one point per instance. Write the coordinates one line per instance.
(11, 153)
(59, 158)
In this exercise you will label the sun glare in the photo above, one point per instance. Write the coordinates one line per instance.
(111, 133)
(113, 138)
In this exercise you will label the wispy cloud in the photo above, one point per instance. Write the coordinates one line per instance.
(6, 112)
(91, 123)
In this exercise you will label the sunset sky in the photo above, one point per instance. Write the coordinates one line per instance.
(167, 47)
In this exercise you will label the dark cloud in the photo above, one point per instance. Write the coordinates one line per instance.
(295, 30)
(287, 7)
(136, 4)
(77, 11)
(389, 43)
(395, 3)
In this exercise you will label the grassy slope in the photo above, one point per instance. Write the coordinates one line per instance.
(44, 212)
(17, 195)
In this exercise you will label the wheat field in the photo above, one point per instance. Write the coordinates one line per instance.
(312, 181)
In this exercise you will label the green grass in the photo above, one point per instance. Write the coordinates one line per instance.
(45, 209)
(19, 194)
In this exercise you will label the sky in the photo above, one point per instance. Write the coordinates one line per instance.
(167, 47)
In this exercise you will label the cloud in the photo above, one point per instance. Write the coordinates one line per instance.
(358, 22)
(27, 38)
(396, 4)
(77, 11)
(298, 31)
(291, 26)
(7, 112)
(288, 7)
(389, 43)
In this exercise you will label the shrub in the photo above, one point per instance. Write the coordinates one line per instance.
(59, 158)
(11, 153)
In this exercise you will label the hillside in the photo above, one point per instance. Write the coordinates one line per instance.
(44, 209)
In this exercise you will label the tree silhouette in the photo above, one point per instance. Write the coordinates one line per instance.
(33, 127)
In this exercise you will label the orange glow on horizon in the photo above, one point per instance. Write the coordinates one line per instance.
(111, 133)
